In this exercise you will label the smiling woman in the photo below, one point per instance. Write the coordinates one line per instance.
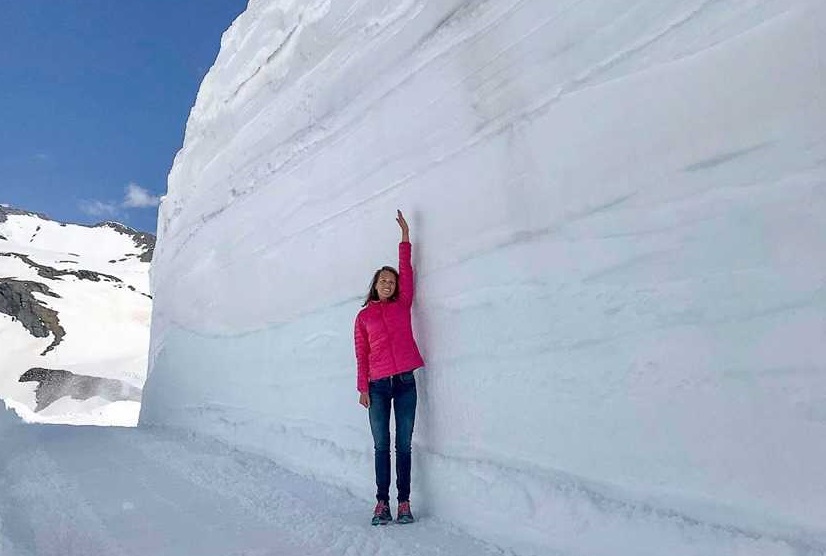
(95, 98)
(386, 356)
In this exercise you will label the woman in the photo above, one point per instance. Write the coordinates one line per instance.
(387, 355)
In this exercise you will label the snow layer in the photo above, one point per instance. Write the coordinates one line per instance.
(82, 491)
(616, 210)
(106, 321)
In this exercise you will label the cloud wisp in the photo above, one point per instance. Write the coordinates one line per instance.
(135, 197)
(99, 209)
(139, 197)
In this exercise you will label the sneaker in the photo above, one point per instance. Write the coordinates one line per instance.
(381, 515)
(404, 515)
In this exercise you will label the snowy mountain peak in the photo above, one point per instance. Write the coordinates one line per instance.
(33, 229)
(75, 305)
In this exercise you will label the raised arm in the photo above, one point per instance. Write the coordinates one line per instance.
(406, 279)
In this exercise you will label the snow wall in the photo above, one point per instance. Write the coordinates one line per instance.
(8, 418)
(10, 424)
(617, 216)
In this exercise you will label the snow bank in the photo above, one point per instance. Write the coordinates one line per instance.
(8, 418)
(616, 211)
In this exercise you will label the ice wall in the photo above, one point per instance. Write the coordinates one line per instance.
(9, 423)
(617, 215)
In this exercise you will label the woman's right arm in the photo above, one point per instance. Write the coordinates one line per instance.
(362, 361)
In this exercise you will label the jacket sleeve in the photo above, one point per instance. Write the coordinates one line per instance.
(407, 287)
(362, 356)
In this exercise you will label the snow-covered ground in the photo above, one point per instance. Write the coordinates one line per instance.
(105, 316)
(80, 491)
(87, 491)
(617, 216)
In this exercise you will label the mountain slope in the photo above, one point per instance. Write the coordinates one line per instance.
(74, 315)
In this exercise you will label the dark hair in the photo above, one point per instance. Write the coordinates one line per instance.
(372, 294)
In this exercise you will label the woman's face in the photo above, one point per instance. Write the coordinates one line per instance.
(385, 285)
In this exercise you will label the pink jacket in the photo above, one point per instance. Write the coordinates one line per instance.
(384, 334)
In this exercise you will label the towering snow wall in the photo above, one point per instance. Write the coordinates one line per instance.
(617, 210)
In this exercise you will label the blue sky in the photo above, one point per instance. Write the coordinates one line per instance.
(94, 97)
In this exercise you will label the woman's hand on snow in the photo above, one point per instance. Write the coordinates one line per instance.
(364, 399)
(403, 225)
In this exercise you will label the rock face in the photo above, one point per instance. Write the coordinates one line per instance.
(54, 274)
(5, 211)
(74, 317)
(54, 384)
(17, 301)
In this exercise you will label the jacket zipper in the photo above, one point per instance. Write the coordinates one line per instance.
(389, 339)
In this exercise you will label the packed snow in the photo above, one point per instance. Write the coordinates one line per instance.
(106, 320)
(88, 491)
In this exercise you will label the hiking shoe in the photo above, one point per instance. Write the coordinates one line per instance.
(381, 515)
(404, 515)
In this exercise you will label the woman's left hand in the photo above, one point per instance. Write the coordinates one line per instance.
(403, 225)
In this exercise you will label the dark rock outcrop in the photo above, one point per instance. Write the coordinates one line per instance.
(5, 211)
(55, 274)
(54, 384)
(17, 301)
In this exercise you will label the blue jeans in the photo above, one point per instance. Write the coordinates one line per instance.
(401, 389)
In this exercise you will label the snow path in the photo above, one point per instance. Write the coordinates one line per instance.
(116, 491)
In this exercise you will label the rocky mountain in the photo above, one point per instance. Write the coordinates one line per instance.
(74, 318)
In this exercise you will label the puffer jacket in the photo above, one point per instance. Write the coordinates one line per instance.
(383, 332)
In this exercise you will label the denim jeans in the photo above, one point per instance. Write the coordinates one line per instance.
(401, 390)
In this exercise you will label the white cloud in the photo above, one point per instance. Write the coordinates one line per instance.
(99, 208)
(139, 197)
(135, 197)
